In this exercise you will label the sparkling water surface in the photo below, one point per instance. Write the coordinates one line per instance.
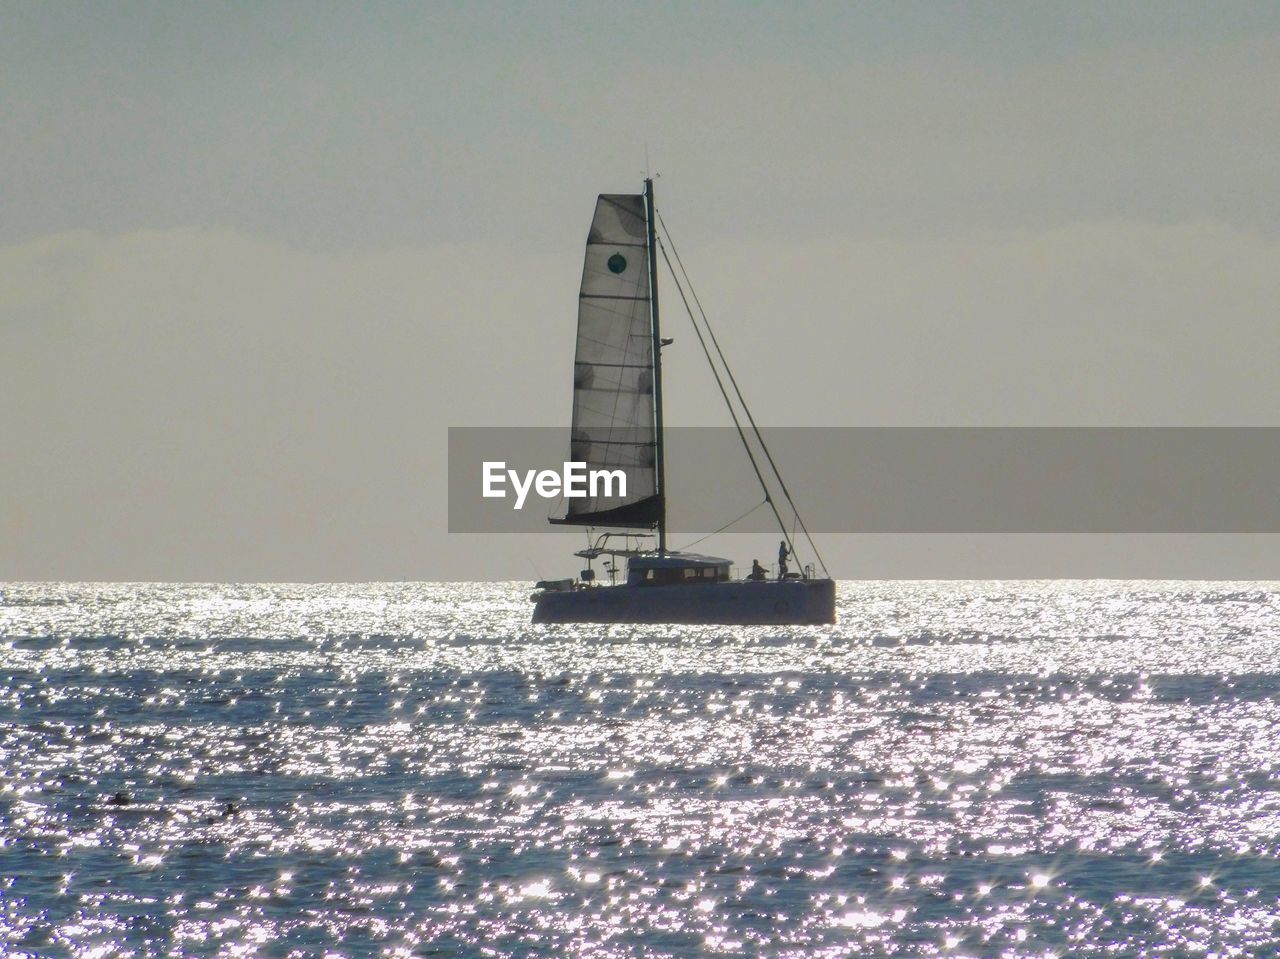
(956, 769)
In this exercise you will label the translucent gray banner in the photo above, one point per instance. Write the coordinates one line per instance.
(913, 479)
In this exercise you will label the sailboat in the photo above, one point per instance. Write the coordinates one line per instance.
(617, 425)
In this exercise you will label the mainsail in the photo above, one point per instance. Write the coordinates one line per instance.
(614, 415)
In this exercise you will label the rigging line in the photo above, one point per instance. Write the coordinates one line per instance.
(751, 419)
(742, 400)
(724, 527)
(724, 393)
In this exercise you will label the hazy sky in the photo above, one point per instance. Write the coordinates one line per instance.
(256, 258)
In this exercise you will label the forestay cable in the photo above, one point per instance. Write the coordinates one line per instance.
(738, 392)
(727, 402)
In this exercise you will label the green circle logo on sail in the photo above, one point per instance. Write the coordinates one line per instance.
(617, 263)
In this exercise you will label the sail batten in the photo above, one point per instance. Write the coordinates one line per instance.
(614, 420)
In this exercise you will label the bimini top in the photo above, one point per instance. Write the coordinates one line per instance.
(674, 560)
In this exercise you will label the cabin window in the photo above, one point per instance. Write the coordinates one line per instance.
(670, 576)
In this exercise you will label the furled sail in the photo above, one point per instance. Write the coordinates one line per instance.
(613, 373)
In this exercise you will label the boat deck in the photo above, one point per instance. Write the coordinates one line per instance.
(791, 602)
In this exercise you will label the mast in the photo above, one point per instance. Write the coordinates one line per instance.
(659, 457)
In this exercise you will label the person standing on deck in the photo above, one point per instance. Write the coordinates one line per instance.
(783, 553)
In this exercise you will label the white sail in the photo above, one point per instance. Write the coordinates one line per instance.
(614, 424)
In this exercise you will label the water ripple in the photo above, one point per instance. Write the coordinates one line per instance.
(957, 769)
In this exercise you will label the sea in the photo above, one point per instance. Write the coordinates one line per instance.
(984, 769)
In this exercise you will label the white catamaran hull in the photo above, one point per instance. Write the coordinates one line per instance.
(795, 602)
